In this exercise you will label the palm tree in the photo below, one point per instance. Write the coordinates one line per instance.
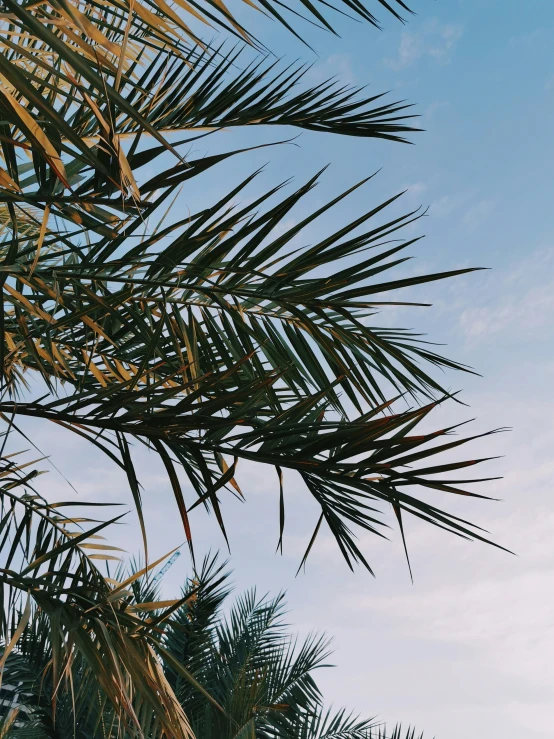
(206, 338)
(252, 678)
(64, 621)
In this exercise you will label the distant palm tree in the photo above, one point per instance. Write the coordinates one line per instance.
(251, 677)
(213, 337)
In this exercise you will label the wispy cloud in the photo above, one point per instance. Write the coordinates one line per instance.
(530, 39)
(435, 40)
(336, 65)
(522, 300)
(478, 213)
(474, 624)
(516, 313)
(466, 206)
(445, 205)
(415, 190)
(433, 109)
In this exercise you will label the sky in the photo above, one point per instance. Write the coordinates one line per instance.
(467, 650)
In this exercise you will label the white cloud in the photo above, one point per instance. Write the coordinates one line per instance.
(435, 40)
(336, 65)
(515, 313)
(522, 302)
(433, 108)
(445, 205)
(415, 190)
(530, 39)
(411, 49)
(478, 213)
(466, 651)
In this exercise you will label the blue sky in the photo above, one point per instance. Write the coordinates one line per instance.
(467, 650)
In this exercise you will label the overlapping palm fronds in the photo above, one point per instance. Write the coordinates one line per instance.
(62, 620)
(251, 677)
(221, 346)
(160, 23)
(217, 338)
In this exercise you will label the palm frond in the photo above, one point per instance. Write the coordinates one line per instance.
(54, 597)
(221, 337)
(242, 348)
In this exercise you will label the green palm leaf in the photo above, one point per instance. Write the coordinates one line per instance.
(222, 337)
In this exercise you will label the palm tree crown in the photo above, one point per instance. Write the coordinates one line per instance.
(252, 679)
